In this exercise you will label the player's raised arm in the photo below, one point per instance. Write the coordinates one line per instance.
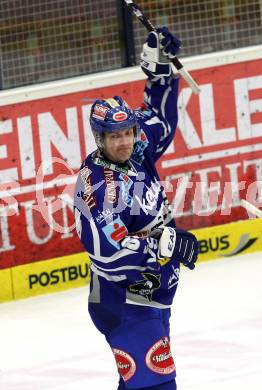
(159, 114)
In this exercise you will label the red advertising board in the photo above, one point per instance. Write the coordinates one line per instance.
(216, 159)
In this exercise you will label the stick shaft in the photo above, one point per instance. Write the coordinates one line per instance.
(251, 208)
(175, 61)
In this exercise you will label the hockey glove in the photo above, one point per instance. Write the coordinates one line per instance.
(150, 58)
(159, 49)
(176, 243)
(187, 248)
(169, 44)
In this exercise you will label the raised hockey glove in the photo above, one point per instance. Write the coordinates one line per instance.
(150, 58)
(169, 44)
(176, 243)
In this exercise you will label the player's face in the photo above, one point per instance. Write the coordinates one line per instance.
(118, 146)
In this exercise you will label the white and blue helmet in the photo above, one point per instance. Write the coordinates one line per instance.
(111, 115)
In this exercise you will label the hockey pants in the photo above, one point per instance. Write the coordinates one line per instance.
(139, 339)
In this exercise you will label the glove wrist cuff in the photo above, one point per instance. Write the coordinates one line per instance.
(156, 68)
(167, 243)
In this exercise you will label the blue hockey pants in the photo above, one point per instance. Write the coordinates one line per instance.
(139, 339)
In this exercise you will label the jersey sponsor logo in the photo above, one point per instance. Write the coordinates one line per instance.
(149, 201)
(106, 216)
(159, 358)
(115, 231)
(128, 169)
(126, 184)
(88, 193)
(125, 364)
(147, 286)
(174, 278)
(110, 185)
(99, 112)
(120, 116)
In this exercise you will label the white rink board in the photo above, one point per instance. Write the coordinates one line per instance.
(49, 342)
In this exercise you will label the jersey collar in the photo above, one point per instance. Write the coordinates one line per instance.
(127, 168)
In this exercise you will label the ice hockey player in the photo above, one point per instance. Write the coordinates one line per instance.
(125, 223)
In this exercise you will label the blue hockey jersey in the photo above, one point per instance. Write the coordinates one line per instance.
(118, 205)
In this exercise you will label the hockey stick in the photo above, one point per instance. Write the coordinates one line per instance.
(251, 208)
(175, 61)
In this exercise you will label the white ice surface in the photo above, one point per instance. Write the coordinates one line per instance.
(49, 342)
